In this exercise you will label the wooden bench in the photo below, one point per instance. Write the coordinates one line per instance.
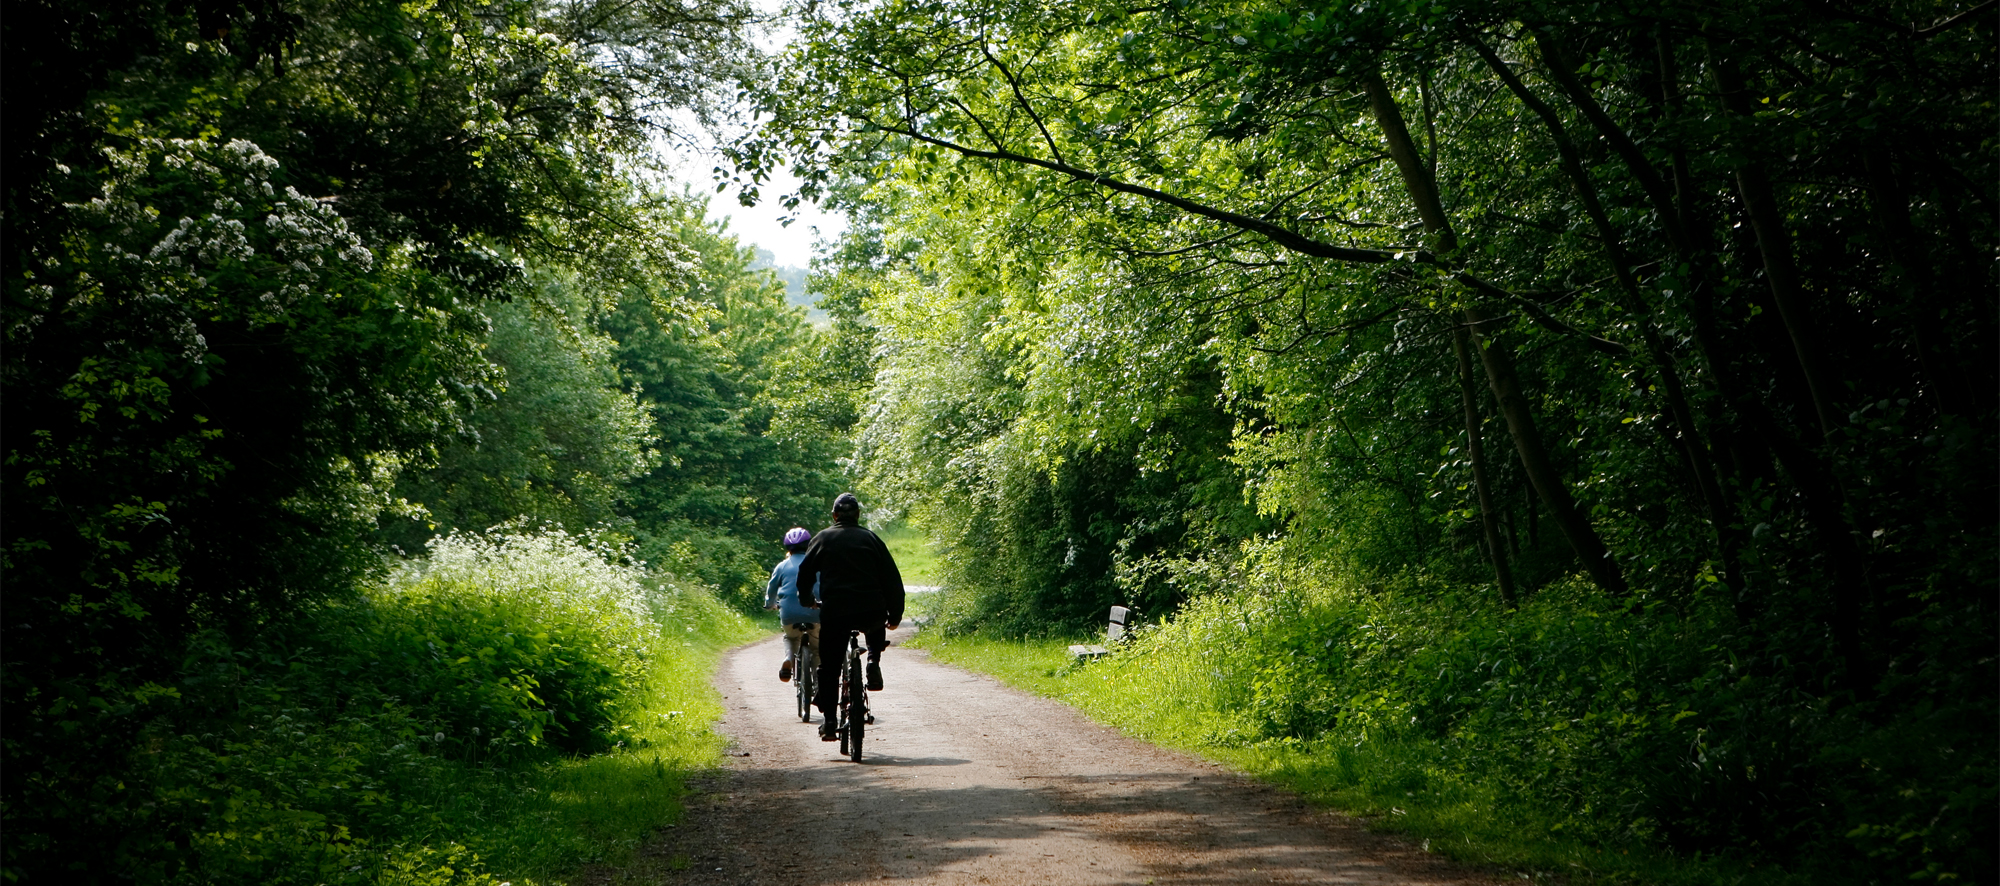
(1113, 634)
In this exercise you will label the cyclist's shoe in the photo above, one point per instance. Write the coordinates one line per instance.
(785, 672)
(828, 731)
(874, 677)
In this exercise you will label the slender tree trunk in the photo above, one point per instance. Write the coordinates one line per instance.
(1693, 449)
(1476, 451)
(1534, 523)
(1416, 174)
(1846, 565)
(1590, 550)
(1774, 245)
(1965, 270)
(1818, 485)
(1824, 506)
(1562, 71)
(1727, 420)
(1500, 376)
(1911, 276)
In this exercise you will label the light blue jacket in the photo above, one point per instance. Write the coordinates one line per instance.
(784, 591)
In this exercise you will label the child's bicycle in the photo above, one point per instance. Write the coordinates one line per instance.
(807, 674)
(853, 704)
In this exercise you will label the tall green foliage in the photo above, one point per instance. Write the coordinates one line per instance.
(660, 412)
(1688, 303)
(817, 392)
(246, 248)
(556, 444)
(724, 485)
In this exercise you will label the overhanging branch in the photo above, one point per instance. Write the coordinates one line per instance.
(1278, 234)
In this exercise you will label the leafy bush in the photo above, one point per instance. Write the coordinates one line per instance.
(424, 732)
(1590, 725)
(732, 567)
(557, 444)
(516, 641)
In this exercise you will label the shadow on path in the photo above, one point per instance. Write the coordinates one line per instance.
(967, 781)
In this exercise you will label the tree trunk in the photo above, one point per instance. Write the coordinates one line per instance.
(1685, 435)
(1774, 246)
(1846, 566)
(1534, 523)
(1911, 276)
(1416, 174)
(1476, 451)
(1727, 419)
(1563, 72)
(1596, 558)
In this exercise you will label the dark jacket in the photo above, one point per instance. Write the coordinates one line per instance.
(858, 580)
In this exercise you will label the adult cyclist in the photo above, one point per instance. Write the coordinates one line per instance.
(859, 590)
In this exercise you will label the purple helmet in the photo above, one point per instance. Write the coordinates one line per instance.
(796, 536)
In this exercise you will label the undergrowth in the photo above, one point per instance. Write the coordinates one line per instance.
(1578, 739)
(505, 708)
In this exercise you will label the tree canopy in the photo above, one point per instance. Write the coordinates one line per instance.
(1604, 393)
(287, 280)
(1695, 303)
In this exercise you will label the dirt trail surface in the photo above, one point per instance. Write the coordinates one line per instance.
(968, 781)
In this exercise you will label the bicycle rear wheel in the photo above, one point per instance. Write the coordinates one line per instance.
(855, 708)
(840, 716)
(806, 678)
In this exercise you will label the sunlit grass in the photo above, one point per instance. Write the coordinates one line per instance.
(544, 822)
(1395, 784)
(913, 553)
(599, 809)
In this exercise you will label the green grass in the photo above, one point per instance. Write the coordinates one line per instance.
(640, 648)
(1396, 785)
(914, 556)
(598, 809)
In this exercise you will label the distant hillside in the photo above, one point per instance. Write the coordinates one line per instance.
(795, 283)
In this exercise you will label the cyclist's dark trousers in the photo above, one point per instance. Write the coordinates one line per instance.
(833, 653)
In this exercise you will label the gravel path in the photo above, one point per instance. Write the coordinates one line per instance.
(968, 781)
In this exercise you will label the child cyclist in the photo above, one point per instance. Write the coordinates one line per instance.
(782, 594)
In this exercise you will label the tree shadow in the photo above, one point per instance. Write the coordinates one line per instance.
(823, 826)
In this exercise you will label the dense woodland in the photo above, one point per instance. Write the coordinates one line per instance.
(1591, 405)
(1597, 399)
(377, 422)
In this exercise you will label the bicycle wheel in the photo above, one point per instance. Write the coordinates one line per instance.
(855, 711)
(805, 679)
(840, 715)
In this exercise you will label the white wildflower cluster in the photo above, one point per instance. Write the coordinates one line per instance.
(555, 578)
(170, 264)
(308, 234)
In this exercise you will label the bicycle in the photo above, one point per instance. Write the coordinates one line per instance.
(852, 708)
(806, 677)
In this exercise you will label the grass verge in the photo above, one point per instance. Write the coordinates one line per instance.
(1396, 784)
(510, 708)
(596, 810)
